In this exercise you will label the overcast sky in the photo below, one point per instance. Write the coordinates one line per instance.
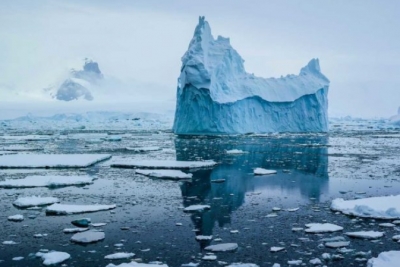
(357, 42)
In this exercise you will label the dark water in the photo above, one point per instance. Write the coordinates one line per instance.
(311, 171)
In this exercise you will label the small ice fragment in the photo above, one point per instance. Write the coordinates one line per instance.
(322, 228)
(276, 249)
(119, 255)
(222, 247)
(54, 257)
(197, 208)
(16, 218)
(261, 171)
(88, 237)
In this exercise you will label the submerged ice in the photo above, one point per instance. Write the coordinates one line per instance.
(216, 95)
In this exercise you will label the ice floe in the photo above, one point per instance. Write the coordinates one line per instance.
(88, 237)
(387, 207)
(119, 255)
(322, 228)
(16, 218)
(385, 259)
(74, 230)
(136, 264)
(143, 149)
(222, 247)
(235, 152)
(64, 209)
(46, 181)
(51, 160)
(239, 264)
(261, 171)
(170, 174)
(54, 257)
(25, 202)
(365, 234)
(197, 208)
(82, 222)
(276, 249)
(163, 164)
(203, 237)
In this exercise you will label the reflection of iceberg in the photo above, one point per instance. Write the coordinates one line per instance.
(303, 157)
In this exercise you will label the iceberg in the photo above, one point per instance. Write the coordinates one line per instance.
(396, 118)
(215, 95)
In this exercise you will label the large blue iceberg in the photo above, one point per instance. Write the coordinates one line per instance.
(217, 96)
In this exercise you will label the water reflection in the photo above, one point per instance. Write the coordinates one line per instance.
(301, 162)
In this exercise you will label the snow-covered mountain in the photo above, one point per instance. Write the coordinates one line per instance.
(216, 95)
(79, 83)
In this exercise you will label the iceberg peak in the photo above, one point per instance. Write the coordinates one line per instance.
(217, 96)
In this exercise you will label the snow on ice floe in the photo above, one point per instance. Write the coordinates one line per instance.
(88, 237)
(222, 247)
(171, 174)
(25, 202)
(144, 149)
(386, 207)
(64, 209)
(46, 181)
(230, 101)
(261, 171)
(365, 234)
(119, 255)
(54, 257)
(164, 164)
(385, 259)
(74, 230)
(51, 160)
(197, 208)
(235, 152)
(322, 228)
(136, 264)
(16, 218)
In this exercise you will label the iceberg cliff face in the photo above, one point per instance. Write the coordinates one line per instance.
(215, 95)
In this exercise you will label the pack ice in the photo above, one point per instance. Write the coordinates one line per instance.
(215, 94)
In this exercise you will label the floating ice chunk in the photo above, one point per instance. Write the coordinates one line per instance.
(276, 249)
(17, 258)
(222, 247)
(74, 230)
(322, 228)
(316, 261)
(51, 160)
(25, 202)
(197, 208)
(9, 242)
(47, 181)
(387, 225)
(164, 164)
(261, 171)
(171, 174)
(203, 237)
(385, 259)
(98, 224)
(292, 209)
(295, 262)
(54, 257)
(337, 244)
(190, 264)
(119, 255)
(396, 238)
(235, 152)
(276, 265)
(387, 207)
(239, 264)
(82, 222)
(88, 237)
(209, 257)
(143, 149)
(16, 218)
(64, 209)
(135, 264)
(365, 234)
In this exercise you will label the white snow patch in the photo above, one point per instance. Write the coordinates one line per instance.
(64, 209)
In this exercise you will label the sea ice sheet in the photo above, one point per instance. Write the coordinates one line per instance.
(64, 209)
(163, 164)
(385, 259)
(51, 160)
(386, 207)
(46, 181)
